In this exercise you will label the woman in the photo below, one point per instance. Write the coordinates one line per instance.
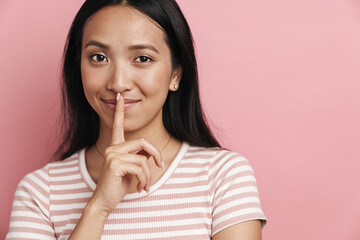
(138, 160)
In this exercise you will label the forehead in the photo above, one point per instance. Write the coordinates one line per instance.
(120, 24)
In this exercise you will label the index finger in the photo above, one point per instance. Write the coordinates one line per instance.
(118, 122)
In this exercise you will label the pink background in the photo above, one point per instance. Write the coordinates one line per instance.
(279, 80)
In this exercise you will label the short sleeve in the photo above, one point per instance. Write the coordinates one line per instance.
(30, 210)
(234, 192)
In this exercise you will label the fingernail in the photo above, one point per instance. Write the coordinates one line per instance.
(117, 96)
(162, 164)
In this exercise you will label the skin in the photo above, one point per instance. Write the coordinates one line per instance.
(131, 140)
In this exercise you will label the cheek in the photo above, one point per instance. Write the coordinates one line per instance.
(91, 78)
(91, 81)
(155, 82)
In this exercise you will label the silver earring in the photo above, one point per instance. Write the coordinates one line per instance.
(176, 86)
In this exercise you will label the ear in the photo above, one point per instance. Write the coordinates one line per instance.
(175, 79)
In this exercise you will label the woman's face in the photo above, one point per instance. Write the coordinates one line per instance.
(124, 51)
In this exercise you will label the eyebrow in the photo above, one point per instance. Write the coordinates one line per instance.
(143, 46)
(96, 43)
(133, 47)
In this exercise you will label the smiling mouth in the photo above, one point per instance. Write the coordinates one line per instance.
(128, 103)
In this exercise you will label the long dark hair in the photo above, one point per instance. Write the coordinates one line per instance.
(183, 117)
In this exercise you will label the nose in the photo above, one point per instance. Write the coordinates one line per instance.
(120, 78)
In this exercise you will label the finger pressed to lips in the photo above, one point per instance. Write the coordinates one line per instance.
(124, 157)
(118, 122)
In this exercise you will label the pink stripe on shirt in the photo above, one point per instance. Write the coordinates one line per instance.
(203, 191)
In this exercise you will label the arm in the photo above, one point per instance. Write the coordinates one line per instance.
(249, 230)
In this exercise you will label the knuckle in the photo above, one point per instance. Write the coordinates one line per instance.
(142, 140)
(112, 164)
(109, 157)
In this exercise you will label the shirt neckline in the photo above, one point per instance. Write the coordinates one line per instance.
(92, 185)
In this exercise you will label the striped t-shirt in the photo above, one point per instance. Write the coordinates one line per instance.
(203, 191)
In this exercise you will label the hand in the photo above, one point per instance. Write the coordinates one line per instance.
(123, 161)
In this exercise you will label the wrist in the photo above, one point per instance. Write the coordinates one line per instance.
(96, 210)
(91, 223)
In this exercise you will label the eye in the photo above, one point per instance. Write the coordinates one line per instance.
(98, 58)
(143, 59)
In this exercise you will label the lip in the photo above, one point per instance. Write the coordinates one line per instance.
(128, 103)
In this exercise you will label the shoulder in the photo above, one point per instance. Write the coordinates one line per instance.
(221, 164)
(231, 159)
(41, 177)
(219, 158)
(228, 168)
(69, 164)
